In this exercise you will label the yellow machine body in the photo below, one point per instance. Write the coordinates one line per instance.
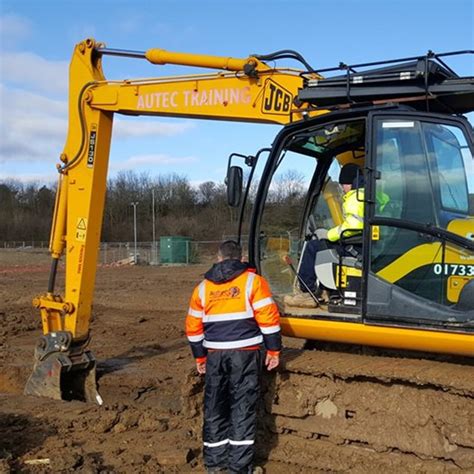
(245, 90)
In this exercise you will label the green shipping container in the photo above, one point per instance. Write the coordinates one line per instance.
(175, 249)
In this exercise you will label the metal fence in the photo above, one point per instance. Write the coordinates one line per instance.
(110, 253)
(148, 253)
(24, 244)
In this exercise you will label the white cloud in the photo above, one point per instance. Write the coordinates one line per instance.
(14, 28)
(33, 71)
(152, 160)
(34, 127)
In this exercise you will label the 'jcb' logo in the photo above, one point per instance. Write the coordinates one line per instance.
(276, 99)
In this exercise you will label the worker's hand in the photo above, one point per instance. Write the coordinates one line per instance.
(201, 367)
(321, 234)
(272, 361)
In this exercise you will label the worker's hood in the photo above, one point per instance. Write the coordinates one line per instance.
(225, 271)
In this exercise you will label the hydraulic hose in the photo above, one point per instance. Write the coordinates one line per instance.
(83, 127)
(52, 275)
(284, 54)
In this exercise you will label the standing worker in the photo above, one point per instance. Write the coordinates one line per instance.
(230, 315)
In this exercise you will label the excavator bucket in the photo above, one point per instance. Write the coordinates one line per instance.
(63, 372)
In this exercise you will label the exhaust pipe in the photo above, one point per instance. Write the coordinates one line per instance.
(63, 371)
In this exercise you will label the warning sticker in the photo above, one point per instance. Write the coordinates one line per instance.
(375, 232)
(81, 229)
(81, 260)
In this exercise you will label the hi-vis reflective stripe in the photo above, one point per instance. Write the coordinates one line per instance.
(213, 318)
(262, 303)
(196, 314)
(230, 441)
(248, 291)
(233, 344)
(198, 338)
(241, 443)
(269, 329)
(214, 445)
(202, 293)
(358, 218)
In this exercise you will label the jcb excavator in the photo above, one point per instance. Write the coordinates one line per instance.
(409, 283)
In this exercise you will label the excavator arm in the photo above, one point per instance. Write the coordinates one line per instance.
(240, 90)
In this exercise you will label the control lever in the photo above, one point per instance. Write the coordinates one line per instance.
(289, 262)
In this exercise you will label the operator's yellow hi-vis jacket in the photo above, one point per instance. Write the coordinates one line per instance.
(353, 215)
(235, 314)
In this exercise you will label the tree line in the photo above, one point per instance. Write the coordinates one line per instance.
(180, 209)
(200, 212)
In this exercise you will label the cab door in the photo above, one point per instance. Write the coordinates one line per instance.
(419, 237)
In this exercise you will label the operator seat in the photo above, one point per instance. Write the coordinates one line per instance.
(328, 261)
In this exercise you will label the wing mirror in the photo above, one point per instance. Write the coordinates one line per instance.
(234, 182)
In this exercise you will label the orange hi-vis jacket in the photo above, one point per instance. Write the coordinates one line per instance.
(235, 314)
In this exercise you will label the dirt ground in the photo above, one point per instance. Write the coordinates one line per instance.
(151, 422)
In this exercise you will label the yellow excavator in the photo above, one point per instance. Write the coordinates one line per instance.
(408, 281)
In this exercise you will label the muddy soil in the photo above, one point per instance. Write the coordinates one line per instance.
(150, 420)
(151, 417)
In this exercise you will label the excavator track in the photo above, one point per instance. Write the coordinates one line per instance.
(337, 411)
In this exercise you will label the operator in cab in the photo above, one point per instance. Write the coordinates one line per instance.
(230, 315)
(352, 182)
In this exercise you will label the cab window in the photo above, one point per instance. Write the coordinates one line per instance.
(447, 166)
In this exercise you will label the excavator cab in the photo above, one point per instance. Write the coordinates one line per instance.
(413, 264)
(304, 195)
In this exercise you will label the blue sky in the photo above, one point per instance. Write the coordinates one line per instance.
(37, 39)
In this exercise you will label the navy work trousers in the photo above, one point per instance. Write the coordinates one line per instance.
(232, 387)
